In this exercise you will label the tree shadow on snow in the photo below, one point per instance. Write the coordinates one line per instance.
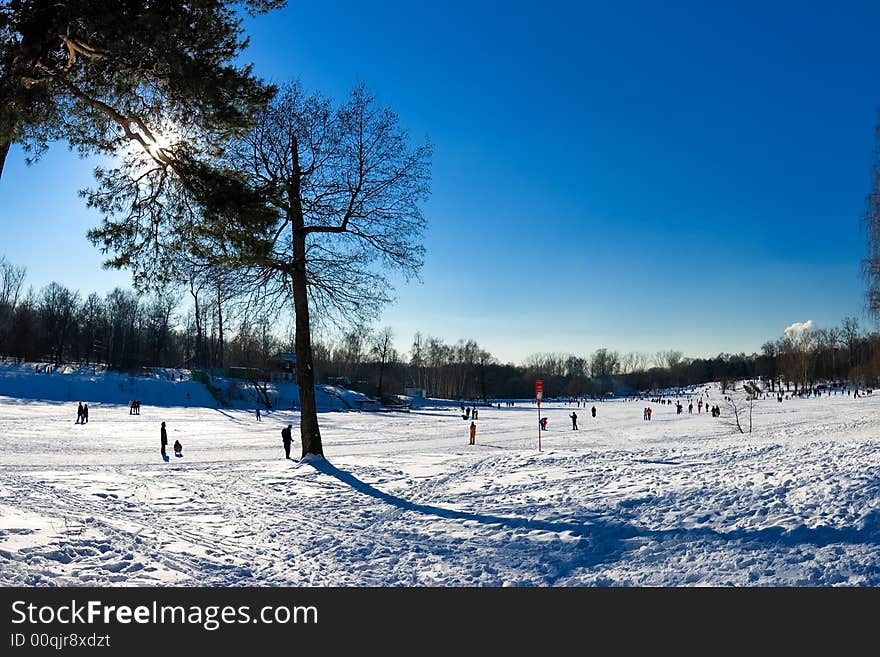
(243, 419)
(607, 537)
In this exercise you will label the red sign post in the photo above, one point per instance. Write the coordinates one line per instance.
(539, 395)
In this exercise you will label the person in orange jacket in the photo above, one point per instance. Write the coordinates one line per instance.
(473, 434)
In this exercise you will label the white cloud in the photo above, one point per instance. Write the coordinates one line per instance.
(798, 328)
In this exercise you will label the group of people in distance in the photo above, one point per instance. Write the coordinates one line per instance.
(468, 413)
(286, 438)
(163, 436)
(574, 419)
(82, 413)
(715, 410)
(82, 416)
(134, 408)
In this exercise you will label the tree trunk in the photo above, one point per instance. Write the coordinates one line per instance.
(198, 354)
(4, 151)
(220, 323)
(305, 373)
(305, 370)
(381, 375)
(111, 343)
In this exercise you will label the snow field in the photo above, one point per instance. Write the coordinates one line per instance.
(403, 500)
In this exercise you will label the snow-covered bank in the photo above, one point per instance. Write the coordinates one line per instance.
(41, 381)
(156, 387)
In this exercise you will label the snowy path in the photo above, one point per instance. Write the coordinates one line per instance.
(403, 500)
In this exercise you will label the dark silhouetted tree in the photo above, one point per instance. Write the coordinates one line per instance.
(161, 77)
(316, 205)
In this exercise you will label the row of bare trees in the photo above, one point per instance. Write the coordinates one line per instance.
(803, 358)
(124, 330)
(121, 330)
(467, 371)
(202, 327)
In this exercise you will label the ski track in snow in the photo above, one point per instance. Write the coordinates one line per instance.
(402, 500)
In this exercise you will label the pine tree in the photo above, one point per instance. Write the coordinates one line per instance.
(105, 76)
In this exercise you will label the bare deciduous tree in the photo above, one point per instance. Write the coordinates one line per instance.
(604, 363)
(59, 307)
(310, 210)
(849, 327)
(871, 220)
(382, 350)
(345, 187)
(741, 411)
(11, 280)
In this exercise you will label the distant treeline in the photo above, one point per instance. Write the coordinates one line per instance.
(124, 331)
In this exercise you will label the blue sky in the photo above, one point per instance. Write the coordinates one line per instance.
(630, 175)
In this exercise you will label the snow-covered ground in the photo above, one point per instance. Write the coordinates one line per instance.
(403, 500)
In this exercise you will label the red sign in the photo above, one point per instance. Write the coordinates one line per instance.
(539, 389)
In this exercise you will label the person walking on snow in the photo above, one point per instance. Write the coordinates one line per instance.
(259, 419)
(85, 413)
(164, 438)
(594, 411)
(178, 448)
(79, 413)
(286, 438)
(473, 434)
(574, 420)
